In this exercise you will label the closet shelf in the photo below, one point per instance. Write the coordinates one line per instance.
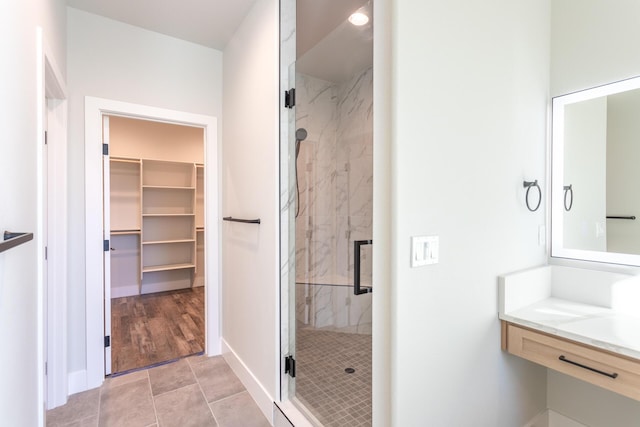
(167, 267)
(124, 160)
(167, 187)
(164, 242)
(124, 232)
(167, 214)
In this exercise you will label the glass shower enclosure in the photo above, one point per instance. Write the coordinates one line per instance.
(327, 209)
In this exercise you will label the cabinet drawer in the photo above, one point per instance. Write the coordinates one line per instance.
(613, 372)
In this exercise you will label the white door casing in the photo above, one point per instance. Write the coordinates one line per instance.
(52, 228)
(95, 109)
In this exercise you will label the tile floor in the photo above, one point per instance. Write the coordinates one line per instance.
(335, 398)
(197, 391)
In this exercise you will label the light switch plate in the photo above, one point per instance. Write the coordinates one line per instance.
(424, 250)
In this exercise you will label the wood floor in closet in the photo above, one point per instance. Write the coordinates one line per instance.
(154, 328)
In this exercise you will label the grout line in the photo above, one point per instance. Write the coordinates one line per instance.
(230, 396)
(100, 403)
(153, 399)
(203, 395)
(175, 389)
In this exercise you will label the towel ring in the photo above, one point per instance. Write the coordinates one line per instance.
(528, 185)
(568, 189)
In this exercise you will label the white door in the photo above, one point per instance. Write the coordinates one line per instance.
(107, 247)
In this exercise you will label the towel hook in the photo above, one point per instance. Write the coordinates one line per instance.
(528, 185)
(568, 189)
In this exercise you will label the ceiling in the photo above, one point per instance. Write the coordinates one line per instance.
(322, 30)
(207, 22)
(328, 46)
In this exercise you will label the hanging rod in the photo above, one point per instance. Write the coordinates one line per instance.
(631, 217)
(246, 221)
(11, 240)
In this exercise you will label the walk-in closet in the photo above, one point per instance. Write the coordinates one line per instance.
(156, 220)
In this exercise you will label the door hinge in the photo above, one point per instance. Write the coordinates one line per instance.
(46, 368)
(105, 149)
(46, 253)
(290, 366)
(107, 341)
(290, 98)
(46, 139)
(105, 245)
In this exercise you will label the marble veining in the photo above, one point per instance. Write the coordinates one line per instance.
(335, 202)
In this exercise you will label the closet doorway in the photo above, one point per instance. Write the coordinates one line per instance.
(155, 267)
(97, 232)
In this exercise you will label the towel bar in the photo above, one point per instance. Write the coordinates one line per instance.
(12, 239)
(246, 221)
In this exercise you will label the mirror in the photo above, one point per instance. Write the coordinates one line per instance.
(595, 177)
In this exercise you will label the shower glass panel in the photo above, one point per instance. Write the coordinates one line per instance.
(328, 213)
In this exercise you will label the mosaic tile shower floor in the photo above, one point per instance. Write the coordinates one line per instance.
(335, 398)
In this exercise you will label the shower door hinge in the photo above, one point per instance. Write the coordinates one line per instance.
(290, 366)
(105, 245)
(290, 98)
(105, 149)
(107, 341)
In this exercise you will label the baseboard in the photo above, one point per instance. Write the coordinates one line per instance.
(559, 420)
(77, 381)
(550, 418)
(152, 288)
(125, 291)
(251, 383)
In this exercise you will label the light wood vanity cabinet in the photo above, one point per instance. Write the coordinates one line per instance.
(605, 369)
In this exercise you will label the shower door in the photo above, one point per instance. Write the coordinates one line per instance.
(327, 214)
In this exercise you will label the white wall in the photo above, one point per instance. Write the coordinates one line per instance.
(20, 398)
(250, 190)
(623, 154)
(108, 59)
(470, 91)
(591, 44)
(585, 169)
(590, 405)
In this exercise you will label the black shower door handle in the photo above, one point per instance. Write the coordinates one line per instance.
(357, 290)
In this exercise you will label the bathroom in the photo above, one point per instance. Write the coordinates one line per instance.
(461, 93)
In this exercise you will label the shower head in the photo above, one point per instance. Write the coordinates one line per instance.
(301, 134)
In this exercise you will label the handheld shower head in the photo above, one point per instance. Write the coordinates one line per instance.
(301, 135)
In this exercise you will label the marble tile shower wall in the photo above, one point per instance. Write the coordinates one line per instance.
(335, 172)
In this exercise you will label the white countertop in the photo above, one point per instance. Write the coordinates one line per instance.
(588, 324)
(591, 307)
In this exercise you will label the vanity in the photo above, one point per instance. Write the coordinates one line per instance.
(585, 322)
(580, 322)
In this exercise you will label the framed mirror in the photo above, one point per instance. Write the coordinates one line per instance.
(595, 174)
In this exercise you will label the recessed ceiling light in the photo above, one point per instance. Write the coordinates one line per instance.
(358, 19)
